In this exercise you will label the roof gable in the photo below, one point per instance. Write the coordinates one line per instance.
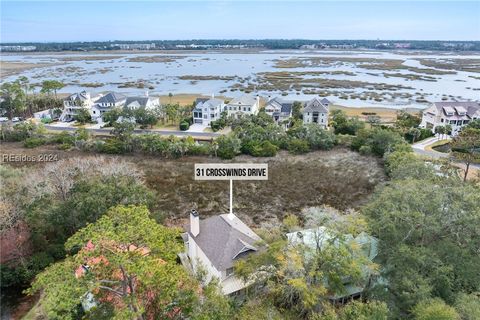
(224, 239)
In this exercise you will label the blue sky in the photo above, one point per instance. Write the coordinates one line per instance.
(123, 20)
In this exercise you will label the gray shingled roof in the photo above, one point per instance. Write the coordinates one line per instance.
(472, 107)
(245, 100)
(224, 240)
(284, 105)
(200, 103)
(80, 95)
(142, 101)
(316, 105)
(111, 97)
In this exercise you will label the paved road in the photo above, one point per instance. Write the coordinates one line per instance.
(419, 148)
(160, 132)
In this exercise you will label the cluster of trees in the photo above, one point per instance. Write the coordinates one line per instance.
(55, 202)
(427, 221)
(19, 98)
(254, 43)
(260, 136)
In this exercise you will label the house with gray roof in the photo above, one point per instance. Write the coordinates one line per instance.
(243, 105)
(280, 110)
(316, 111)
(106, 103)
(207, 110)
(214, 245)
(133, 103)
(75, 102)
(454, 113)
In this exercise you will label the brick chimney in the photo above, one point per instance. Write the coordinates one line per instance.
(194, 223)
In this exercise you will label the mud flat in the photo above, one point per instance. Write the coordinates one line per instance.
(155, 59)
(10, 68)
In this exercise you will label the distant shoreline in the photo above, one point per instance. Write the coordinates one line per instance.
(237, 51)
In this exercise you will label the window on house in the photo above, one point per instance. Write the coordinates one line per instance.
(229, 272)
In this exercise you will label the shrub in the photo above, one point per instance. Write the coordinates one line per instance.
(345, 139)
(63, 138)
(199, 149)
(228, 146)
(34, 142)
(298, 146)
(218, 124)
(64, 146)
(18, 132)
(264, 149)
(113, 146)
(379, 141)
(365, 150)
(184, 126)
(46, 120)
(317, 137)
(434, 309)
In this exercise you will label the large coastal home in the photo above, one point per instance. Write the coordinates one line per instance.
(455, 114)
(279, 109)
(207, 110)
(244, 105)
(214, 244)
(310, 241)
(107, 102)
(136, 102)
(316, 111)
(75, 102)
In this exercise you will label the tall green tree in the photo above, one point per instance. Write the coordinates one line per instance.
(466, 148)
(14, 98)
(124, 263)
(429, 239)
(83, 116)
(49, 86)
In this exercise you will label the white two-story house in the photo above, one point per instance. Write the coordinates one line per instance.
(244, 105)
(316, 111)
(214, 244)
(105, 103)
(455, 114)
(75, 102)
(207, 110)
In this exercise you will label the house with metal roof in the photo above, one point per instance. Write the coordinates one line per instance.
(316, 111)
(454, 113)
(207, 110)
(280, 110)
(214, 245)
(243, 105)
(318, 238)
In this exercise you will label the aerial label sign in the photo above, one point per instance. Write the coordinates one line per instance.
(231, 171)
